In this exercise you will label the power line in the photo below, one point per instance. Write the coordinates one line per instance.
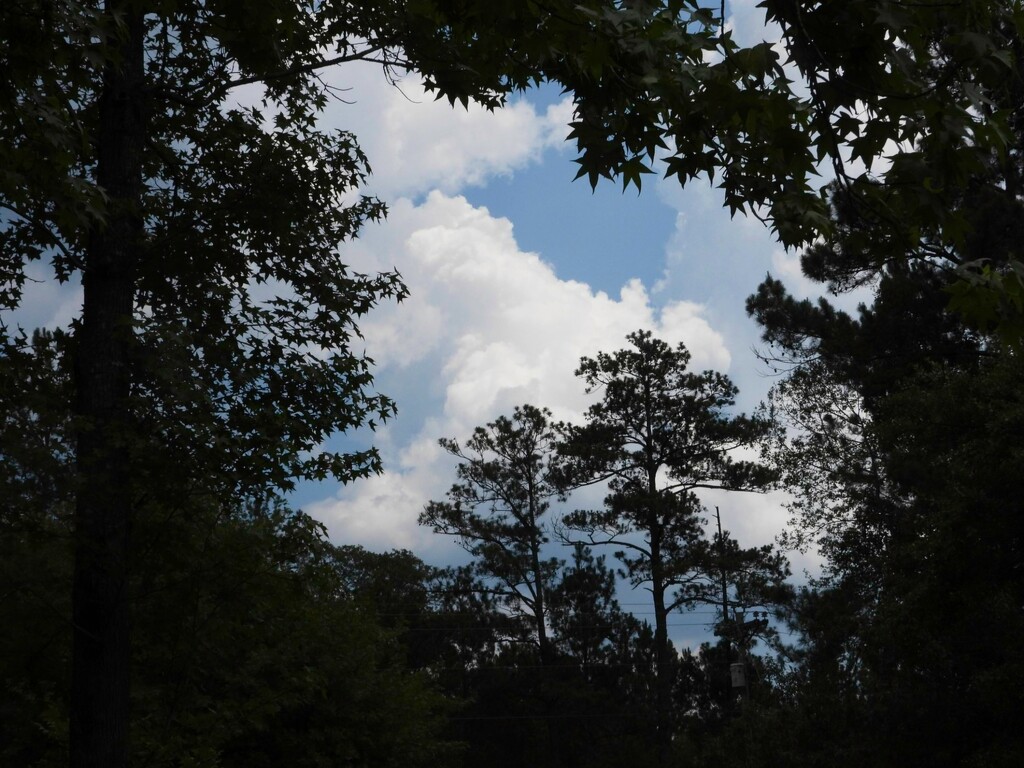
(589, 626)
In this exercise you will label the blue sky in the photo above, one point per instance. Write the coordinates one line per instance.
(516, 271)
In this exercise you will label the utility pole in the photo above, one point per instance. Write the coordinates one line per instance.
(727, 624)
(725, 584)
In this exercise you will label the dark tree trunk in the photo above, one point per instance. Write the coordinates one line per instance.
(101, 651)
(663, 667)
(540, 602)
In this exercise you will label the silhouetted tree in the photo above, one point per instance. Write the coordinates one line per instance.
(507, 481)
(658, 434)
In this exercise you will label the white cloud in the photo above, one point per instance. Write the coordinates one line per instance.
(786, 267)
(684, 320)
(45, 302)
(748, 24)
(416, 143)
(488, 327)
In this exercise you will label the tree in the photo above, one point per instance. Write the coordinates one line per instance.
(907, 650)
(893, 415)
(146, 103)
(584, 612)
(581, 700)
(911, 106)
(658, 434)
(128, 165)
(916, 109)
(611, 653)
(942, 83)
(508, 475)
(588, 704)
(829, 457)
(253, 645)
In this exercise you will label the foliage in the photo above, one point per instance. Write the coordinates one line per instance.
(250, 652)
(934, 89)
(657, 435)
(645, 77)
(584, 612)
(587, 703)
(569, 679)
(251, 648)
(654, 416)
(35, 430)
(897, 430)
(508, 475)
(913, 109)
(830, 460)
(214, 351)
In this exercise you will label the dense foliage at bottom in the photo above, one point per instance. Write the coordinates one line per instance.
(259, 643)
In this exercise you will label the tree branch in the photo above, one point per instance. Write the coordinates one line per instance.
(305, 69)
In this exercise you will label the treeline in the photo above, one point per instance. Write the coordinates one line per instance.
(899, 435)
(158, 602)
(258, 642)
(657, 434)
(896, 430)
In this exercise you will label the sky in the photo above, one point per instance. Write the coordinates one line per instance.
(515, 271)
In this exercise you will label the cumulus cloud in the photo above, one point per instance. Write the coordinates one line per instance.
(416, 143)
(488, 327)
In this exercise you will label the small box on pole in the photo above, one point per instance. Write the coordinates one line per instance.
(737, 670)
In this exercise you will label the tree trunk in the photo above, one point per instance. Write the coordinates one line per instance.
(101, 650)
(655, 525)
(540, 602)
(662, 661)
